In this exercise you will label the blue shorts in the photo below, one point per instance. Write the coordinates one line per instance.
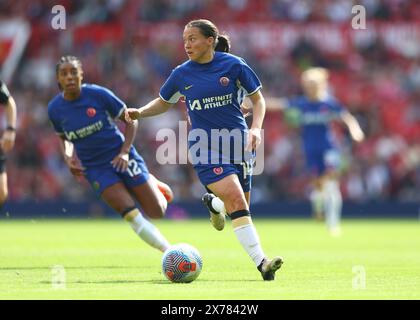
(101, 178)
(319, 161)
(212, 173)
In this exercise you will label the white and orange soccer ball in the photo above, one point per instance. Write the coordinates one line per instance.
(181, 263)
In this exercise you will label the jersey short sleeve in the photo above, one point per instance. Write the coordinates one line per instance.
(170, 91)
(4, 93)
(248, 79)
(114, 105)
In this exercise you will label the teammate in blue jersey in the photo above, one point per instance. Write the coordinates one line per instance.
(83, 116)
(214, 83)
(314, 112)
(8, 138)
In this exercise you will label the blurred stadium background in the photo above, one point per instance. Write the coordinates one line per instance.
(131, 46)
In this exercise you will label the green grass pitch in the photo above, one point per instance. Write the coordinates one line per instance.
(103, 259)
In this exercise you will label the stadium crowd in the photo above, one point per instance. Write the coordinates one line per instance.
(115, 39)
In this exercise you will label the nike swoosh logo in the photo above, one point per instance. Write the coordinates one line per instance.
(188, 87)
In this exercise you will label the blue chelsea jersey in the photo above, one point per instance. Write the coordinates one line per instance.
(88, 123)
(213, 91)
(315, 120)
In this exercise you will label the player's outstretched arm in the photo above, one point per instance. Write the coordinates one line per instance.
(120, 162)
(354, 127)
(153, 108)
(129, 133)
(275, 104)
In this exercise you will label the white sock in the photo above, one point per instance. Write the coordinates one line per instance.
(147, 231)
(333, 204)
(248, 237)
(218, 205)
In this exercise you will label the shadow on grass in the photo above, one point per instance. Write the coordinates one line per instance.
(146, 281)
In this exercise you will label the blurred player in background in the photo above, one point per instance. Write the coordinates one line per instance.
(82, 116)
(214, 84)
(314, 112)
(8, 138)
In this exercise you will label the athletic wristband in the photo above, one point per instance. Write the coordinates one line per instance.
(10, 128)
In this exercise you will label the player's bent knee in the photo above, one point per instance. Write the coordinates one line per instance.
(236, 203)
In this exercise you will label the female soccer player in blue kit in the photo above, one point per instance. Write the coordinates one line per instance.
(82, 115)
(214, 84)
(314, 112)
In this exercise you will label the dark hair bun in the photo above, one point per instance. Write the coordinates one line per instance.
(223, 43)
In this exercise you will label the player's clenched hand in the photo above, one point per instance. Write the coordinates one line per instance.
(358, 135)
(254, 139)
(132, 114)
(120, 162)
(75, 168)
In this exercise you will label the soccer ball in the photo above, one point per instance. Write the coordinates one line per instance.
(181, 263)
